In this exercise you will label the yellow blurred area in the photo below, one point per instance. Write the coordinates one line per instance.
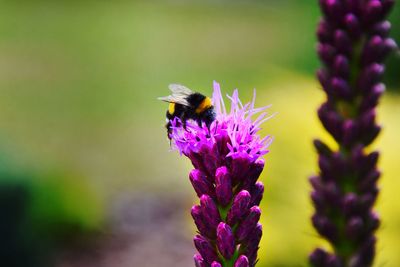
(286, 207)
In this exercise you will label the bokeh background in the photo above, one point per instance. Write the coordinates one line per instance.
(87, 177)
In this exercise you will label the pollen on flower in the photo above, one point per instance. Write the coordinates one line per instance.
(235, 133)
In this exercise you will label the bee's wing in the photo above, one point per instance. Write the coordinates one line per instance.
(179, 95)
(179, 89)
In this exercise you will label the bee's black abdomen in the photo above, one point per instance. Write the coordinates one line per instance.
(208, 116)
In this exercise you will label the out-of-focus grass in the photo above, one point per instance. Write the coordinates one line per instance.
(79, 79)
(78, 83)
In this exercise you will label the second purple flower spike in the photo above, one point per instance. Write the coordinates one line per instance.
(353, 43)
(227, 163)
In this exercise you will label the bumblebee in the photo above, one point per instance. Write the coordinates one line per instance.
(188, 105)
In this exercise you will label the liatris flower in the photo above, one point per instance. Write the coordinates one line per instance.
(353, 42)
(227, 163)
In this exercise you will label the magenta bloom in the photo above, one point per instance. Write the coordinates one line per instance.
(227, 163)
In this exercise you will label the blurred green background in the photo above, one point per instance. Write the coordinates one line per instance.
(86, 175)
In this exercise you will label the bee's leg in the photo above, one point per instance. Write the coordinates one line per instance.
(209, 128)
(169, 131)
(184, 119)
(216, 126)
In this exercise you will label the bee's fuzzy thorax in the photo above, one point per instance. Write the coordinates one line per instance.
(205, 104)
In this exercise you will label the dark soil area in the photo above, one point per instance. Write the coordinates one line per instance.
(143, 231)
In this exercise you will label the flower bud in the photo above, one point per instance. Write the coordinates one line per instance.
(342, 42)
(257, 194)
(318, 257)
(322, 148)
(326, 52)
(373, 50)
(350, 204)
(223, 188)
(200, 183)
(354, 227)
(240, 168)
(332, 8)
(324, 227)
(352, 25)
(251, 244)
(341, 66)
(199, 220)
(210, 211)
(324, 32)
(351, 131)
(371, 100)
(331, 121)
(318, 200)
(382, 29)
(365, 255)
(216, 264)
(225, 240)
(373, 12)
(242, 261)
(239, 207)
(324, 79)
(369, 181)
(369, 76)
(205, 249)
(333, 261)
(341, 88)
(248, 224)
(253, 174)
(199, 261)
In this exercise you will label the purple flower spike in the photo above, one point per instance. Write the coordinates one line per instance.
(225, 240)
(242, 261)
(353, 42)
(227, 159)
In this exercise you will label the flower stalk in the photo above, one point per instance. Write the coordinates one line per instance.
(227, 163)
(353, 43)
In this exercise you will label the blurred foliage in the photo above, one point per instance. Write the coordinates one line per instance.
(393, 63)
(41, 212)
(78, 115)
